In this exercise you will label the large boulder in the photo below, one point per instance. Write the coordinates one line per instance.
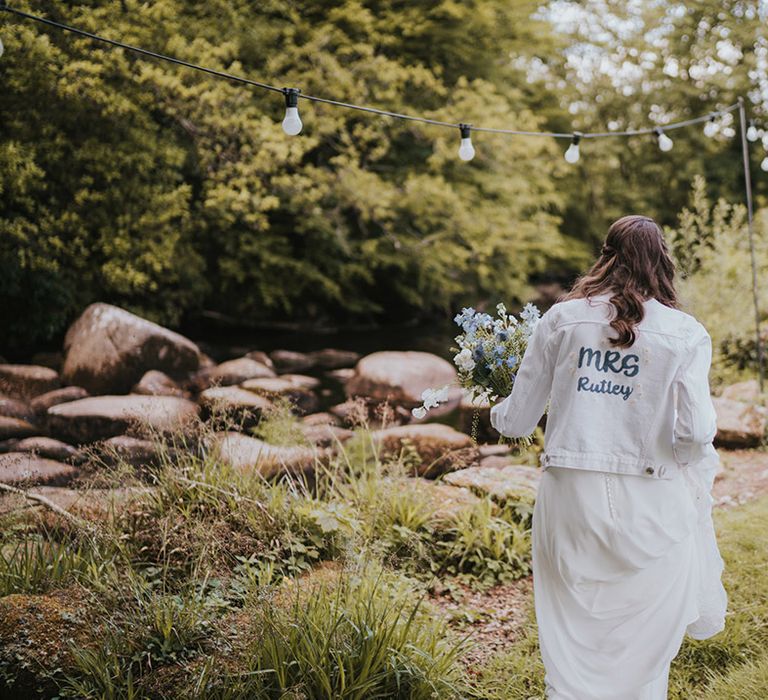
(440, 448)
(100, 417)
(401, 377)
(246, 453)
(27, 381)
(739, 424)
(107, 350)
(27, 468)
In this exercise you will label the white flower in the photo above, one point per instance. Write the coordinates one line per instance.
(464, 360)
(419, 412)
(433, 397)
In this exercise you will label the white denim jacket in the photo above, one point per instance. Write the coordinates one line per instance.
(642, 410)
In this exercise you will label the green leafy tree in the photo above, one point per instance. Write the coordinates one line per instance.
(164, 190)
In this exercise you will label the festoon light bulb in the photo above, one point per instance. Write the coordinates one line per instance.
(752, 134)
(711, 128)
(466, 149)
(2, 48)
(764, 164)
(665, 143)
(572, 154)
(292, 122)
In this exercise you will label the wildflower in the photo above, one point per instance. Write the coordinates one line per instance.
(511, 360)
(466, 319)
(464, 360)
(530, 313)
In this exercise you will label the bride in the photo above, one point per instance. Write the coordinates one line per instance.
(625, 560)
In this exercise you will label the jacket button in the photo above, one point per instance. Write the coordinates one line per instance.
(649, 470)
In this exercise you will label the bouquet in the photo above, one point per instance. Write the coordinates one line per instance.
(487, 357)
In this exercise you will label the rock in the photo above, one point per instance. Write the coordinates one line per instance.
(247, 453)
(493, 450)
(302, 380)
(155, 383)
(272, 387)
(376, 414)
(331, 358)
(16, 428)
(100, 417)
(47, 448)
(15, 408)
(748, 391)
(23, 468)
(401, 377)
(503, 482)
(129, 450)
(231, 372)
(446, 502)
(41, 404)
(261, 357)
(233, 402)
(27, 381)
(290, 361)
(107, 350)
(320, 419)
(326, 435)
(341, 375)
(440, 447)
(739, 424)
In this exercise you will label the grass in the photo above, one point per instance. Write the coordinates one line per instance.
(217, 583)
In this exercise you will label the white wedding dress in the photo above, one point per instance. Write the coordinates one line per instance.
(623, 567)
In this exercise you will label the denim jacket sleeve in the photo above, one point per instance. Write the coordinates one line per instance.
(519, 413)
(696, 420)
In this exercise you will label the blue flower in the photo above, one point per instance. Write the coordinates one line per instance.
(511, 361)
(499, 349)
(466, 318)
(530, 313)
(499, 361)
(502, 335)
(478, 354)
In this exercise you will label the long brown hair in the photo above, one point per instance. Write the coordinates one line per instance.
(634, 265)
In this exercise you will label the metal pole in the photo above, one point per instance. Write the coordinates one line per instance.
(750, 227)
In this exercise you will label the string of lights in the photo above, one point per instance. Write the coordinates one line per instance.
(292, 124)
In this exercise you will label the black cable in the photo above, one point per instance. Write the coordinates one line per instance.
(349, 105)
